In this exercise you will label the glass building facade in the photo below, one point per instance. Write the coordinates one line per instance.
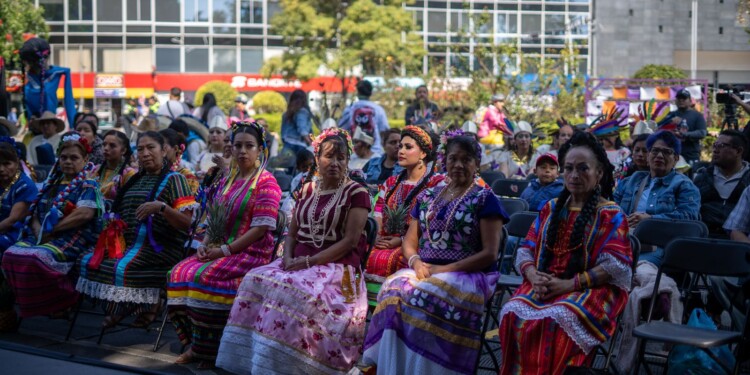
(234, 36)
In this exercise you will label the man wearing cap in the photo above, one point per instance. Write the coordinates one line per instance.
(422, 111)
(240, 108)
(50, 128)
(173, 107)
(691, 126)
(362, 143)
(364, 92)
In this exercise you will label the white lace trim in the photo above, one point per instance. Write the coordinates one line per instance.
(43, 256)
(192, 302)
(118, 293)
(374, 278)
(523, 255)
(88, 204)
(191, 206)
(621, 273)
(263, 221)
(562, 316)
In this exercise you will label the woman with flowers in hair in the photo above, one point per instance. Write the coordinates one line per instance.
(115, 170)
(63, 225)
(201, 288)
(429, 316)
(395, 200)
(144, 238)
(174, 147)
(305, 313)
(576, 267)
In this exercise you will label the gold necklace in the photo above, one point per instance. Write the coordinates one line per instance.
(10, 185)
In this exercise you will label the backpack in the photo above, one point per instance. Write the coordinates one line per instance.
(364, 117)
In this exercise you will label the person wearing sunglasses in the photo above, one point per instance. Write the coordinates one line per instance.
(721, 183)
(660, 192)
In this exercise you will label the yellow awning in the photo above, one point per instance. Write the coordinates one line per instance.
(88, 93)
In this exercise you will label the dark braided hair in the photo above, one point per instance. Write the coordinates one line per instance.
(142, 172)
(125, 143)
(578, 257)
(341, 143)
(430, 171)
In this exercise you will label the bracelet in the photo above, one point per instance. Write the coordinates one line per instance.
(225, 250)
(412, 259)
(163, 207)
(307, 261)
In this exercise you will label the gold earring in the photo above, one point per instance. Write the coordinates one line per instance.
(257, 163)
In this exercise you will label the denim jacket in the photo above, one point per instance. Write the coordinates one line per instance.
(537, 195)
(373, 168)
(673, 196)
(296, 131)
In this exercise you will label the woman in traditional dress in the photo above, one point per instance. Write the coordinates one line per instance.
(17, 192)
(429, 316)
(576, 266)
(202, 288)
(415, 155)
(87, 124)
(606, 128)
(174, 146)
(115, 171)
(143, 240)
(63, 225)
(516, 162)
(305, 313)
(217, 130)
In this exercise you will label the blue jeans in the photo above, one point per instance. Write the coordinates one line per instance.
(656, 257)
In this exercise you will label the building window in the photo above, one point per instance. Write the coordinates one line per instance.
(54, 10)
(579, 24)
(251, 11)
(80, 10)
(196, 10)
(436, 22)
(168, 59)
(139, 10)
(251, 60)
(721, 30)
(196, 60)
(138, 59)
(167, 10)
(531, 24)
(225, 11)
(109, 10)
(109, 59)
(225, 60)
(554, 24)
(274, 8)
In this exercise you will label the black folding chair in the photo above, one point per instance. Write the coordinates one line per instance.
(513, 205)
(490, 313)
(518, 226)
(713, 257)
(284, 180)
(490, 177)
(509, 188)
(371, 232)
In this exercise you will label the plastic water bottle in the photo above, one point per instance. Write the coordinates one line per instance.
(683, 125)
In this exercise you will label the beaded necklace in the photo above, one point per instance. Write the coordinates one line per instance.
(10, 185)
(432, 211)
(319, 225)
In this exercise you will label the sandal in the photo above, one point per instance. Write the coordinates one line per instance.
(185, 358)
(144, 320)
(110, 321)
(206, 365)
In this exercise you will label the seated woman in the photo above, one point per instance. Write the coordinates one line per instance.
(115, 170)
(202, 288)
(63, 225)
(660, 192)
(395, 201)
(174, 147)
(517, 163)
(87, 124)
(149, 220)
(576, 267)
(378, 169)
(606, 128)
(217, 130)
(429, 317)
(638, 160)
(306, 313)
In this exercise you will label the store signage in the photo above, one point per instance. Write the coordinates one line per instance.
(250, 83)
(109, 81)
(110, 93)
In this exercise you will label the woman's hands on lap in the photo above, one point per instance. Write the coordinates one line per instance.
(147, 209)
(554, 286)
(388, 242)
(294, 264)
(423, 270)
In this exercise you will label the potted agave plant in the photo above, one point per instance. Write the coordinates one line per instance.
(216, 221)
(394, 220)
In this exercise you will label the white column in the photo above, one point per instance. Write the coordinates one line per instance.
(694, 40)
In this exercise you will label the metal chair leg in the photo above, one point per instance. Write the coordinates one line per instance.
(101, 335)
(161, 330)
(75, 317)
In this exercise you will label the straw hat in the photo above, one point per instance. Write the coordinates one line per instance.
(163, 122)
(47, 116)
(12, 128)
(196, 125)
(147, 124)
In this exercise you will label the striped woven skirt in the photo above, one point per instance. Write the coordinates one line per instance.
(429, 326)
(40, 277)
(384, 262)
(310, 321)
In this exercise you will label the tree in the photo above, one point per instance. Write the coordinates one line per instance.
(19, 20)
(223, 91)
(345, 38)
(269, 102)
(653, 71)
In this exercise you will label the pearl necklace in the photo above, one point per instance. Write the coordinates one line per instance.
(319, 225)
(432, 212)
(10, 185)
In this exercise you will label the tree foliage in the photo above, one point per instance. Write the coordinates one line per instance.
(269, 102)
(653, 71)
(19, 20)
(223, 91)
(345, 39)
